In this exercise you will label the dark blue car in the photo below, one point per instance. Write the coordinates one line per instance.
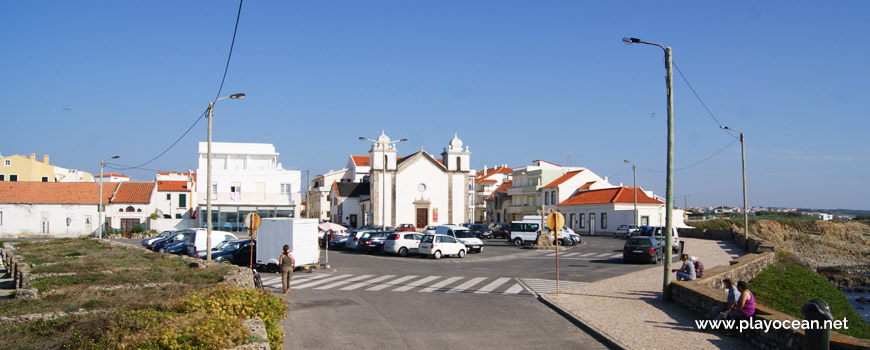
(237, 252)
(162, 245)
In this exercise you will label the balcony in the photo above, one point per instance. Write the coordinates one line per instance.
(244, 198)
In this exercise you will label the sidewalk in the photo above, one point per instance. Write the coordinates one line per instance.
(628, 311)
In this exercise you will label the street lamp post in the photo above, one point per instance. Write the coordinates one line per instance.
(239, 96)
(634, 170)
(384, 176)
(669, 214)
(100, 205)
(743, 163)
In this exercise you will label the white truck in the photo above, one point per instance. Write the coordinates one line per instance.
(300, 234)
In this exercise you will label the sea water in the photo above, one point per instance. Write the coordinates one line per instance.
(865, 313)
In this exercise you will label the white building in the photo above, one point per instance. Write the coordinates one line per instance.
(112, 177)
(71, 175)
(131, 205)
(485, 182)
(246, 177)
(54, 209)
(566, 185)
(603, 210)
(418, 189)
(345, 198)
(175, 201)
(317, 200)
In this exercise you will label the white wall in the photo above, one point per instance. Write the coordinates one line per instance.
(433, 176)
(161, 225)
(27, 219)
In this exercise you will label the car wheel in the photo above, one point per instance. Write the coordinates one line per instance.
(403, 251)
(162, 250)
(461, 253)
(226, 261)
(437, 254)
(518, 242)
(480, 250)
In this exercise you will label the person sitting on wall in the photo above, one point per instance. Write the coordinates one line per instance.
(687, 272)
(699, 266)
(723, 311)
(745, 304)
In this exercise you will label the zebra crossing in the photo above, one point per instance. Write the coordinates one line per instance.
(421, 284)
(582, 255)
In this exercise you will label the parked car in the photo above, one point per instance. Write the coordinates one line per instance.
(371, 242)
(338, 243)
(566, 238)
(178, 236)
(196, 240)
(462, 234)
(574, 236)
(524, 231)
(178, 248)
(353, 237)
(406, 227)
(402, 243)
(237, 252)
(625, 231)
(642, 248)
(429, 230)
(500, 230)
(479, 230)
(437, 246)
(658, 233)
(147, 242)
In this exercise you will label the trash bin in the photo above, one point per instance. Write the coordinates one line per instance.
(817, 339)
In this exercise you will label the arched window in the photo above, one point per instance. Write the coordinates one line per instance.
(120, 210)
(138, 210)
(458, 163)
(130, 209)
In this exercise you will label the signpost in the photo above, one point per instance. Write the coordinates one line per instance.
(555, 222)
(252, 220)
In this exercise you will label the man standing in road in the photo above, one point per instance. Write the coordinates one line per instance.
(287, 264)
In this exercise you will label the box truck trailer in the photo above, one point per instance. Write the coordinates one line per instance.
(299, 234)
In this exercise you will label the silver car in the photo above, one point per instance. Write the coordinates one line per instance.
(402, 243)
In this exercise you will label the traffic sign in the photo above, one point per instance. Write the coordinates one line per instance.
(555, 221)
(252, 220)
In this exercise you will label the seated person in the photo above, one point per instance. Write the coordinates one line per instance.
(745, 305)
(687, 272)
(723, 311)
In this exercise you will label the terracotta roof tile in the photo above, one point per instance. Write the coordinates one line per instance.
(501, 188)
(55, 192)
(609, 195)
(134, 192)
(112, 174)
(164, 185)
(361, 160)
(562, 179)
(587, 185)
(492, 171)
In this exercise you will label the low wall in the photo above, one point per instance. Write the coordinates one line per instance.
(751, 245)
(699, 296)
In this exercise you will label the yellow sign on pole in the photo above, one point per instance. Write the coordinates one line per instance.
(252, 220)
(555, 222)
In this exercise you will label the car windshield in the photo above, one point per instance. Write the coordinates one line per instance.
(392, 236)
(427, 239)
(638, 243)
(231, 246)
(221, 245)
(463, 234)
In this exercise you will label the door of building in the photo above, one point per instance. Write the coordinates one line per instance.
(592, 224)
(127, 225)
(352, 220)
(422, 217)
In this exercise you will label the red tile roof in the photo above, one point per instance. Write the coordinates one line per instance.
(361, 160)
(587, 185)
(501, 188)
(486, 180)
(539, 160)
(55, 192)
(112, 174)
(176, 173)
(610, 195)
(496, 170)
(134, 192)
(165, 186)
(562, 179)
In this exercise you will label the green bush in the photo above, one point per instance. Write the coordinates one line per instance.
(785, 287)
(243, 304)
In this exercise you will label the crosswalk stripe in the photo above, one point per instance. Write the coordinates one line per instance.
(515, 289)
(567, 255)
(495, 284)
(392, 283)
(587, 255)
(319, 282)
(366, 283)
(616, 255)
(341, 283)
(439, 285)
(462, 287)
(415, 284)
(300, 280)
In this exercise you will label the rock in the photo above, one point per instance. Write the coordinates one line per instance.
(862, 300)
(26, 294)
(196, 265)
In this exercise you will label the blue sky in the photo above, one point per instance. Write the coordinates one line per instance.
(517, 80)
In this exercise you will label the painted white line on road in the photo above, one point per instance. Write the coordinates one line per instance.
(367, 283)
(587, 254)
(495, 284)
(392, 283)
(462, 287)
(315, 283)
(440, 285)
(515, 289)
(304, 279)
(616, 255)
(341, 283)
(416, 284)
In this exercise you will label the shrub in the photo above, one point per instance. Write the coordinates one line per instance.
(242, 304)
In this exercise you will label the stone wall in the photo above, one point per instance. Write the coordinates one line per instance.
(701, 295)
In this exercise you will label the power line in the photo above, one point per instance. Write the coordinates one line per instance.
(170, 146)
(230, 56)
(698, 162)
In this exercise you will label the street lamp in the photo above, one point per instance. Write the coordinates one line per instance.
(743, 163)
(384, 176)
(634, 170)
(666, 290)
(208, 174)
(100, 205)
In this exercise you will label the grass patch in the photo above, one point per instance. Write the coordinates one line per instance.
(187, 310)
(785, 287)
(715, 225)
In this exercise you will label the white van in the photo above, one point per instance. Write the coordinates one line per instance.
(525, 231)
(197, 237)
(462, 234)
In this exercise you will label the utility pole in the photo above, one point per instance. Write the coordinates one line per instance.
(634, 170)
(743, 164)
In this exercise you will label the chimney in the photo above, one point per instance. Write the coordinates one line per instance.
(33, 156)
(620, 184)
(605, 179)
(45, 159)
(484, 170)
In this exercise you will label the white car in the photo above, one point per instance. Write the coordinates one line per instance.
(462, 234)
(402, 243)
(658, 233)
(440, 245)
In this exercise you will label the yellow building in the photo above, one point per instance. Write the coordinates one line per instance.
(16, 168)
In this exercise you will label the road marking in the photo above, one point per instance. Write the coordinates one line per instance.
(541, 286)
(392, 283)
(617, 255)
(415, 284)
(440, 285)
(369, 282)
(462, 287)
(495, 284)
(341, 283)
(312, 284)
(587, 255)
(515, 289)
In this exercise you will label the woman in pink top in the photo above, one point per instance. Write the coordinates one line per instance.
(746, 303)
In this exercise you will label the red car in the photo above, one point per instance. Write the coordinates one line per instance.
(406, 227)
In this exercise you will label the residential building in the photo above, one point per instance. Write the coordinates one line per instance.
(131, 205)
(72, 175)
(20, 168)
(566, 185)
(596, 211)
(112, 177)
(317, 201)
(56, 209)
(344, 199)
(174, 201)
(246, 178)
(525, 194)
(497, 204)
(485, 182)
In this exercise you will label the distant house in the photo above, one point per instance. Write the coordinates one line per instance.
(56, 209)
(486, 182)
(566, 185)
(175, 201)
(131, 205)
(603, 210)
(344, 199)
(498, 202)
(112, 177)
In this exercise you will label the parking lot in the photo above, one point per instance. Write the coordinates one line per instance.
(480, 300)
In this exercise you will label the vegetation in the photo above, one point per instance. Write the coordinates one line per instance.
(786, 286)
(181, 307)
(715, 225)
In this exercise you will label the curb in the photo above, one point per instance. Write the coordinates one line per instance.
(596, 333)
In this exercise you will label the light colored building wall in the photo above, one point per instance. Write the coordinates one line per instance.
(432, 176)
(20, 168)
(24, 220)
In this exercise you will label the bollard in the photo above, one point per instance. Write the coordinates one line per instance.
(817, 339)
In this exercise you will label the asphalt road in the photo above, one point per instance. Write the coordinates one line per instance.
(485, 300)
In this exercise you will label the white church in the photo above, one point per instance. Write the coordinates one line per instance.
(418, 189)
